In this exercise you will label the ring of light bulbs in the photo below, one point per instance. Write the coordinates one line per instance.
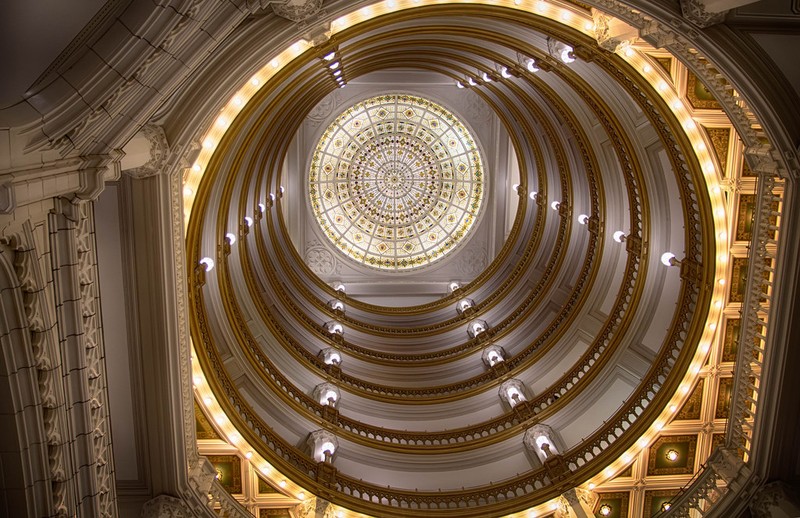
(576, 20)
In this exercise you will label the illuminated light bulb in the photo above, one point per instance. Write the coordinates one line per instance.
(566, 55)
(565, 15)
(459, 84)
(696, 370)
(234, 437)
(230, 238)
(275, 63)
(196, 167)
(265, 469)
(666, 258)
(662, 85)
(619, 236)
(647, 69)
(342, 85)
(272, 197)
(540, 6)
(197, 380)
(722, 282)
(531, 66)
(722, 236)
(666, 506)
(533, 195)
(390, 4)
(262, 208)
(487, 77)
(282, 483)
(471, 82)
(249, 455)
(208, 263)
(583, 219)
(629, 52)
(718, 304)
(505, 73)
(555, 205)
(673, 408)
(514, 187)
(705, 347)
(605, 510)
(588, 26)
(517, 2)
(701, 146)
(554, 506)
(720, 212)
(591, 486)
(208, 143)
(301, 496)
(672, 455)
(187, 191)
(255, 81)
(248, 221)
(626, 457)
(334, 65)
(219, 418)
(712, 326)
(676, 104)
(716, 189)
(684, 388)
(329, 56)
(708, 168)
(337, 73)
(658, 426)
(207, 400)
(238, 101)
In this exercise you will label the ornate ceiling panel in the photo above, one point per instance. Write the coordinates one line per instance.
(396, 182)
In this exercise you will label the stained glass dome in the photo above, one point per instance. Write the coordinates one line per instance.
(396, 182)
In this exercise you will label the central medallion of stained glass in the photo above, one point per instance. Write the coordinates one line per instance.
(396, 182)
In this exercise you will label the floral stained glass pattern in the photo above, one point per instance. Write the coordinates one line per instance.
(396, 182)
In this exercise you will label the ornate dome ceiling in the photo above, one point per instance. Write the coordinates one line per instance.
(561, 360)
(396, 182)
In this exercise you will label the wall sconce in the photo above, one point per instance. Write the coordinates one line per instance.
(512, 392)
(327, 394)
(493, 355)
(323, 445)
(331, 356)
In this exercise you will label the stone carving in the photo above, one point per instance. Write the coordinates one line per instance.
(695, 11)
(320, 260)
(476, 109)
(775, 496)
(315, 508)
(159, 151)
(323, 109)
(611, 33)
(297, 10)
(46, 356)
(164, 506)
(472, 260)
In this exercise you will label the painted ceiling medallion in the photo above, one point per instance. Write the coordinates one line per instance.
(396, 182)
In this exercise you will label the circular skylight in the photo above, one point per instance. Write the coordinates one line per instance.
(396, 182)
